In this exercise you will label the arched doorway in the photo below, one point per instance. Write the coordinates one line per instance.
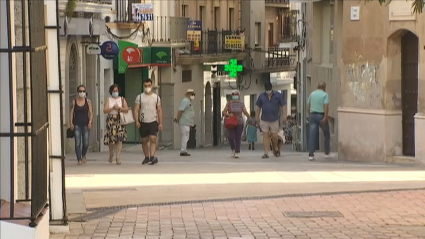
(208, 114)
(72, 73)
(409, 89)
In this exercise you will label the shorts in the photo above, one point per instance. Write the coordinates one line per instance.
(148, 129)
(272, 127)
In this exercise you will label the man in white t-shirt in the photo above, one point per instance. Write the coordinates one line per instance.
(148, 115)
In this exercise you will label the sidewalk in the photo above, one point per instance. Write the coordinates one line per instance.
(210, 174)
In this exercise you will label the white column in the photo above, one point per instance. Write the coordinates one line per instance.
(6, 91)
(54, 109)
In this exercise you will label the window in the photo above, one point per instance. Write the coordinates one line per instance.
(231, 18)
(257, 37)
(202, 15)
(216, 18)
(186, 75)
(185, 10)
(271, 35)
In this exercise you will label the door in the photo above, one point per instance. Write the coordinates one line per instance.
(216, 114)
(208, 114)
(91, 87)
(409, 88)
(133, 87)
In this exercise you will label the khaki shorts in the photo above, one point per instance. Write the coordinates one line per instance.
(272, 127)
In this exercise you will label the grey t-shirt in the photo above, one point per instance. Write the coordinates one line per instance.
(148, 112)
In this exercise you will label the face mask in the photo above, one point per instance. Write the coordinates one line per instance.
(148, 90)
(268, 92)
(115, 94)
(235, 97)
(82, 94)
(192, 97)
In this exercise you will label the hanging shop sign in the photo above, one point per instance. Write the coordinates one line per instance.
(142, 12)
(93, 49)
(233, 68)
(109, 50)
(194, 33)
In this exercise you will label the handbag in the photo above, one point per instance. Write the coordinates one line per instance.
(70, 133)
(231, 121)
(126, 118)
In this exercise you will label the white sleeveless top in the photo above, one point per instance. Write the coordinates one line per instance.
(113, 102)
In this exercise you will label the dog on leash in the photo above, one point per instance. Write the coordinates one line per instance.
(279, 146)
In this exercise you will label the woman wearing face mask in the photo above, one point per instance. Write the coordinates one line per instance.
(235, 107)
(115, 132)
(81, 118)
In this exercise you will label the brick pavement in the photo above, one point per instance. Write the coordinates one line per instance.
(398, 214)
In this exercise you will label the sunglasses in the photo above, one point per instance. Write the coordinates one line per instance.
(81, 91)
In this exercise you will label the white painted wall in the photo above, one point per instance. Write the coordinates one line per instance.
(17, 231)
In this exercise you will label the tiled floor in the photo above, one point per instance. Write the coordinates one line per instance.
(398, 214)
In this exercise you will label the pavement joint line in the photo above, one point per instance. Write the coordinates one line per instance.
(252, 198)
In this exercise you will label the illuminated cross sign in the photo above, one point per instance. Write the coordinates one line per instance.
(233, 68)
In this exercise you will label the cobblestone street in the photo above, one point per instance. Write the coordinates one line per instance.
(396, 214)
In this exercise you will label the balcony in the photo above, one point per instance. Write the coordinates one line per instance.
(214, 45)
(94, 6)
(288, 26)
(279, 60)
(277, 3)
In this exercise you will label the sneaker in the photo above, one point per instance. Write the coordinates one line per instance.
(236, 155)
(233, 154)
(153, 160)
(184, 154)
(265, 156)
(329, 156)
(311, 158)
(146, 160)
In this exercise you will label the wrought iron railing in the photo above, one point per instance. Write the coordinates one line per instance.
(278, 1)
(288, 22)
(36, 124)
(214, 42)
(124, 10)
(280, 57)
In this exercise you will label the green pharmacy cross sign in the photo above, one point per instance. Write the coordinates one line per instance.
(233, 68)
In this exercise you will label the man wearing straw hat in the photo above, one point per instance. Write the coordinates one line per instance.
(186, 119)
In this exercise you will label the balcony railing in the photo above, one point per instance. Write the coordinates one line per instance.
(124, 10)
(288, 23)
(277, 1)
(279, 57)
(109, 2)
(213, 42)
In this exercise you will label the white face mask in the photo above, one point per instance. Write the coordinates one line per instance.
(115, 94)
(82, 94)
(148, 90)
(192, 97)
(269, 92)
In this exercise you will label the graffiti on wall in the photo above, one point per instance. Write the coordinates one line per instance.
(364, 82)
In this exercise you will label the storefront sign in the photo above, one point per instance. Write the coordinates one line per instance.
(194, 33)
(131, 55)
(233, 68)
(142, 12)
(81, 26)
(234, 42)
(109, 50)
(161, 55)
(93, 49)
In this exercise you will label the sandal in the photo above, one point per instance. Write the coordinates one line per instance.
(118, 161)
(79, 162)
(84, 160)
(110, 159)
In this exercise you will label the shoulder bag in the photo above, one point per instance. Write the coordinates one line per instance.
(231, 121)
(126, 118)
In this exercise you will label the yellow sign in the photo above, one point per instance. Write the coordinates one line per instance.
(195, 37)
(234, 42)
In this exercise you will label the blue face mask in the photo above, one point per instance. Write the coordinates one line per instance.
(235, 97)
(115, 94)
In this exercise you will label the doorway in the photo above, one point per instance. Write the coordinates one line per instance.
(216, 114)
(208, 114)
(409, 90)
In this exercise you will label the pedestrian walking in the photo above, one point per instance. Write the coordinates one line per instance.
(235, 108)
(250, 130)
(81, 118)
(148, 115)
(115, 133)
(319, 111)
(186, 119)
(269, 104)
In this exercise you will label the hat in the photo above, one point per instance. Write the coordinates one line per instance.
(190, 91)
(268, 86)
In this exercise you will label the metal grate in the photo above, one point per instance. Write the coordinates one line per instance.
(313, 214)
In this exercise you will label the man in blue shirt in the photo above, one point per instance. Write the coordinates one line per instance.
(319, 110)
(269, 103)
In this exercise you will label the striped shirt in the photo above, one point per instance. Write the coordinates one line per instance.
(236, 107)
